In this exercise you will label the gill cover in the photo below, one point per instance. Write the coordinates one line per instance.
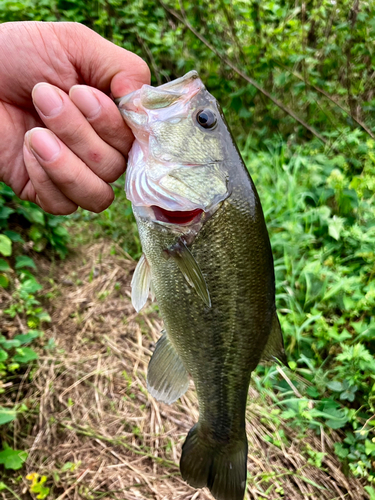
(175, 163)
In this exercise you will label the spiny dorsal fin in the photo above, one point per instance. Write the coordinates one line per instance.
(141, 283)
(275, 344)
(167, 378)
(190, 269)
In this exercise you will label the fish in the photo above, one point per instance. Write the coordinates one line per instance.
(207, 260)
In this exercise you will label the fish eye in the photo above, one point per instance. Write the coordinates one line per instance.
(206, 118)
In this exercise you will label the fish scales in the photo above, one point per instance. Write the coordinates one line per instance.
(211, 268)
(221, 345)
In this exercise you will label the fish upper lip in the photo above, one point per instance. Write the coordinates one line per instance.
(190, 75)
(124, 99)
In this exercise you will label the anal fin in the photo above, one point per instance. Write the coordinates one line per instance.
(141, 283)
(167, 378)
(190, 269)
(275, 345)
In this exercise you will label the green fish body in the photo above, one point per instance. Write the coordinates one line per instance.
(210, 264)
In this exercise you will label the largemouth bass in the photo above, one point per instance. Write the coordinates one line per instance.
(208, 258)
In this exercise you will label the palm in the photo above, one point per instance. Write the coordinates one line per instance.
(14, 122)
(17, 114)
(83, 150)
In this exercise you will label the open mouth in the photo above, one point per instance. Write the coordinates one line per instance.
(177, 217)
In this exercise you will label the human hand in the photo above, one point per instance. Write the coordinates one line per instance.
(84, 141)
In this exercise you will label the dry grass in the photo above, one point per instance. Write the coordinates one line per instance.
(92, 409)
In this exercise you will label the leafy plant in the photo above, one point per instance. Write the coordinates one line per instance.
(12, 459)
(322, 228)
(38, 485)
(23, 226)
(22, 220)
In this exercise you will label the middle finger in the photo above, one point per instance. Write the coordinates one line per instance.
(63, 118)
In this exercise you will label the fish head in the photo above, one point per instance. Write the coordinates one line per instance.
(177, 161)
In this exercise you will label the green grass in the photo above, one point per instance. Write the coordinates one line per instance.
(321, 219)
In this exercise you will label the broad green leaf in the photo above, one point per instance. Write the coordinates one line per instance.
(32, 213)
(341, 451)
(5, 245)
(12, 459)
(335, 385)
(61, 231)
(24, 261)
(6, 190)
(31, 286)
(35, 233)
(7, 415)
(3, 354)
(10, 344)
(369, 447)
(26, 338)
(370, 490)
(44, 316)
(336, 424)
(4, 280)
(12, 367)
(25, 355)
(14, 236)
(5, 212)
(4, 266)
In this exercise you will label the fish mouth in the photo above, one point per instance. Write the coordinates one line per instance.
(177, 217)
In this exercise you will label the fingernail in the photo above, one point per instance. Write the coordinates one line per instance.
(43, 144)
(86, 100)
(47, 99)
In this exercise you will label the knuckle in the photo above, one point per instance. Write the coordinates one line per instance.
(72, 133)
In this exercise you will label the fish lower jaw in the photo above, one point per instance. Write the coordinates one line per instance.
(180, 218)
(181, 221)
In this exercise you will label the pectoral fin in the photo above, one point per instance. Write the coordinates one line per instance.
(167, 378)
(141, 283)
(190, 269)
(275, 345)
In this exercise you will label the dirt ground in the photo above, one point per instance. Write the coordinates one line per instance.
(97, 434)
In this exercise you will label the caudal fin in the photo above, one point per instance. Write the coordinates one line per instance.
(222, 468)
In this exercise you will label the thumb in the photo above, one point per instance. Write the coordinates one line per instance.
(101, 63)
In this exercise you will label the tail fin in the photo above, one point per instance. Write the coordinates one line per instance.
(220, 467)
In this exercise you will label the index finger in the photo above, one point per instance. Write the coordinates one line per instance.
(100, 63)
(104, 117)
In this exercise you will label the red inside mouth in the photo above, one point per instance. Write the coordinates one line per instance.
(175, 217)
